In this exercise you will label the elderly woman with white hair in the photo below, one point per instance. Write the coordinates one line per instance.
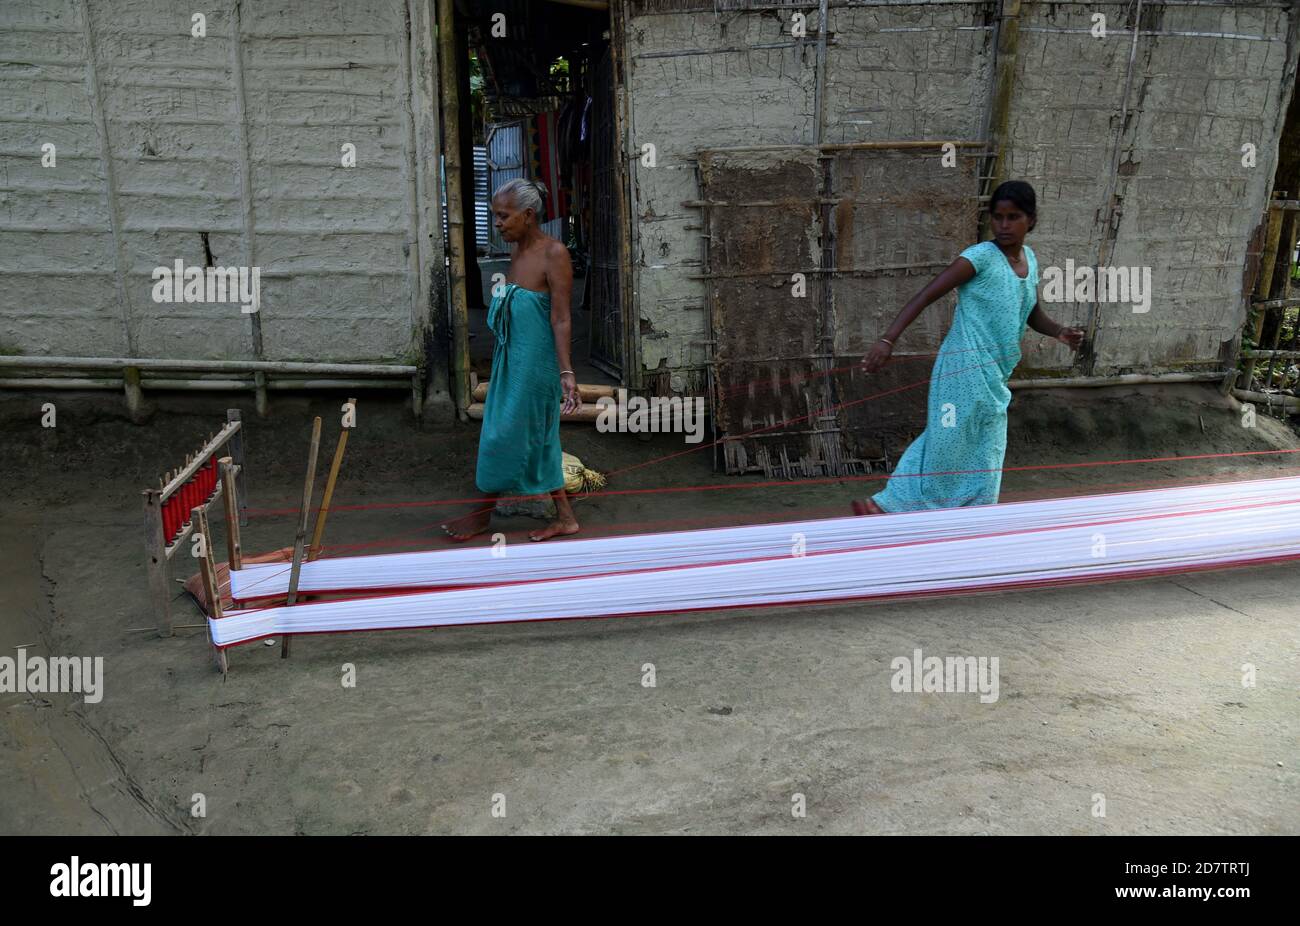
(532, 381)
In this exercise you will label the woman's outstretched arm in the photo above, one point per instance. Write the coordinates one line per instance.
(1039, 321)
(952, 276)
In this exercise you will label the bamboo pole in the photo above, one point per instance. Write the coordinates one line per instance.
(589, 393)
(337, 462)
(1269, 400)
(850, 146)
(1264, 285)
(203, 385)
(819, 92)
(587, 412)
(206, 366)
(630, 361)
(299, 540)
(454, 186)
(1290, 237)
(1008, 48)
(1125, 379)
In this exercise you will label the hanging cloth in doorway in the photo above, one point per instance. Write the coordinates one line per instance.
(544, 150)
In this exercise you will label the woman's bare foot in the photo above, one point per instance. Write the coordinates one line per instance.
(473, 524)
(866, 506)
(558, 527)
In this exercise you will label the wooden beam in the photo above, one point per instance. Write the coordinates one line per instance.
(588, 392)
(201, 458)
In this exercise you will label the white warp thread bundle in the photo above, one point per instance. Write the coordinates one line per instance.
(911, 553)
(587, 557)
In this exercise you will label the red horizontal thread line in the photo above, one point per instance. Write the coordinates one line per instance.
(331, 551)
(255, 512)
(800, 482)
(794, 420)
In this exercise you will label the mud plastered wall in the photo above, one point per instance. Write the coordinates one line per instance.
(222, 150)
(1141, 165)
(1136, 166)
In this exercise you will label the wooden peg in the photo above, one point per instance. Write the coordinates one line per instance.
(230, 500)
(300, 540)
(321, 515)
(208, 574)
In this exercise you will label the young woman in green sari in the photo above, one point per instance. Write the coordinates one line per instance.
(958, 458)
(532, 381)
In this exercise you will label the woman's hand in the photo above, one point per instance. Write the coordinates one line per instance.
(572, 398)
(1071, 337)
(875, 358)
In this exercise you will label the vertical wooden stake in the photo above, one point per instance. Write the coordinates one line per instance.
(321, 515)
(417, 396)
(208, 574)
(134, 394)
(261, 401)
(230, 500)
(300, 540)
(236, 445)
(155, 546)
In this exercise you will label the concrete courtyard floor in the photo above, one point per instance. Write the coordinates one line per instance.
(1130, 690)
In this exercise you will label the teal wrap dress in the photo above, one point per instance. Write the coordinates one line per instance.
(519, 446)
(957, 460)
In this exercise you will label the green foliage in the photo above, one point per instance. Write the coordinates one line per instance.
(559, 73)
(477, 100)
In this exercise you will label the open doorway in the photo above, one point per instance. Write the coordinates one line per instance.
(537, 92)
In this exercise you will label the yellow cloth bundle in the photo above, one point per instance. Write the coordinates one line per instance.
(577, 478)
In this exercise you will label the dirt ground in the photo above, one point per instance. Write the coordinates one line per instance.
(1131, 690)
